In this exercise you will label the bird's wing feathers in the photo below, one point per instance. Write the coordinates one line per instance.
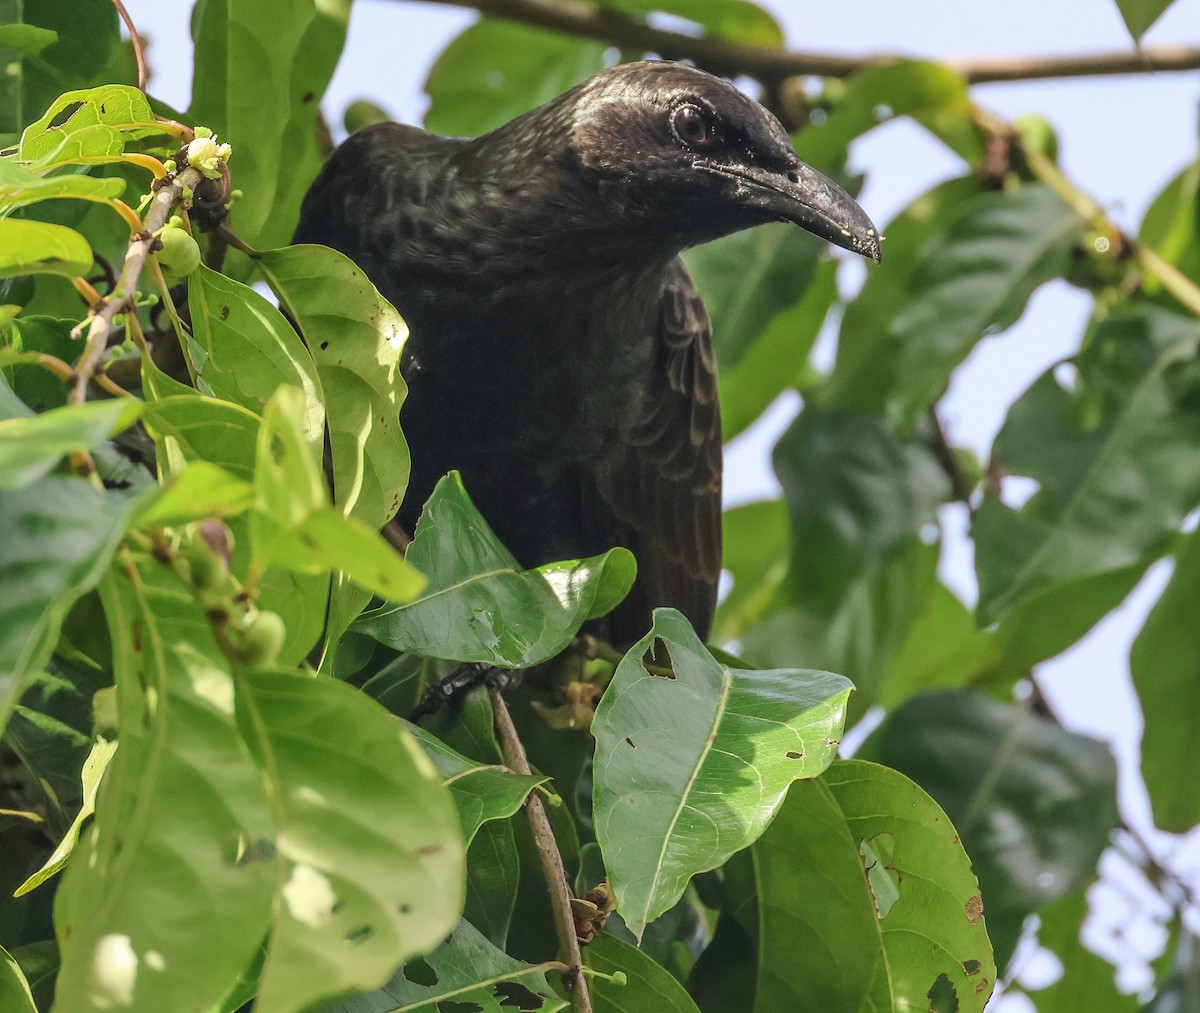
(661, 483)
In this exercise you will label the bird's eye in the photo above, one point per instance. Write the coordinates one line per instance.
(691, 126)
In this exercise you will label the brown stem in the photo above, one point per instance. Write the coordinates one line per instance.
(587, 20)
(138, 53)
(98, 330)
(947, 459)
(551, 859)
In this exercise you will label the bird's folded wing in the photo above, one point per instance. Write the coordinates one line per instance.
(660, 483)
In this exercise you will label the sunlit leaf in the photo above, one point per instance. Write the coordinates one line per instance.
(28, 247)
(97, 124)
(20, 186)
(691, 766)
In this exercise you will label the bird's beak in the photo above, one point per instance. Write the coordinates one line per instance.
(809, 199)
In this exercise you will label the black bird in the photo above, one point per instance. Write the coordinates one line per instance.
(560, 357)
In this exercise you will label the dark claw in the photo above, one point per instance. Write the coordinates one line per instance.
(460, 681)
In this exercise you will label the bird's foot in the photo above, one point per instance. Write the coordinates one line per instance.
(463, 679)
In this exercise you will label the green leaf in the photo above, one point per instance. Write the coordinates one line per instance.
(1139, 15)
(865, 371)
(32, 447)
(750, 279)
(15, 996)
(20, 186)
(738, 20)
(1172, 223)
(357, 346)
(244, 349)
(757, 549)
(479, 604)
(465, 973)
(650, 987)
(930, 93)
(1087, 981)
(28, 247)
(198, 491)
(481, 791)
(778, 359)
(1033, 802)
(93, 769)
(974, 280)
(497, 70)
(86, 36)
(97, 122)
(1165, 666)
(36, 386)
(691, 767)
(857, 495)
(260, 72)
(825, 940)
(1113, 456)
(58, 537)
(1179, 991)
(181, 813)
(367, 845)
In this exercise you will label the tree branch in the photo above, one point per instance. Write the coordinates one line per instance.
(586, 20)
(551, 859)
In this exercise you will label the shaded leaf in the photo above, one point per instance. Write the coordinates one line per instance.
(1165, 666)
(37, 387)
(739, 20)
(15, 996)
(1172, 223)
(1033, 802)
(179, 814)
(848, 951)
(1113, 456)
(974, 280)
(857, 496)
(650, 988)
(31, 447)
(367, 845)
(290, 48)
(1139, 15)
(20, 186)
(479, 604)
(466, 973)
(757, 549)
(58, 536)
(690, 768)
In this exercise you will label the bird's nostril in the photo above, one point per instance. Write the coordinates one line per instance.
(793, 175)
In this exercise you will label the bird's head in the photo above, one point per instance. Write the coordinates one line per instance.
(687, 154)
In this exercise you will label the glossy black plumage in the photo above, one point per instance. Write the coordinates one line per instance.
(560, 356)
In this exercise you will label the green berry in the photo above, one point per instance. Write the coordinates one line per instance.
(263, 639)
(180, 255)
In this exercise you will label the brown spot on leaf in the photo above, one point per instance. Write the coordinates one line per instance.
(307, 97)
(983, 986)
(974, 909)
(429, 849)
(224, 312)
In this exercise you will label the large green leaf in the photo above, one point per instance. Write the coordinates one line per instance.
(649, 988)
(1165, 665)
(1113, 455)
(479, 604)
(56, 539)
(1139, 15)
(867, 901)
(368, 853)
(865, 371)
(465, 973)
(15, 996)
(20, 186)
(1172, 223)
(497, 70)
(32, 446)
(691, 766)
(98, 123)
(357, 347)
(757, 549)
(180, 815)
(974, 280)
(748, 280)
(857, 496)
(739, 20)
(28, 247)
(1033, 802)
(260, 72)
(85, 36)
(244, 349)
(481, 791)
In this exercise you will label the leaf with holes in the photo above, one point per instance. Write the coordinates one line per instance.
(900, 922)
(367, 846)
(98, 123)
(693, 761)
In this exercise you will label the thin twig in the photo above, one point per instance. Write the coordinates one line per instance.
(586, 20)
(551, 859)
(164, 201)
(138, 53)
(948, 461)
